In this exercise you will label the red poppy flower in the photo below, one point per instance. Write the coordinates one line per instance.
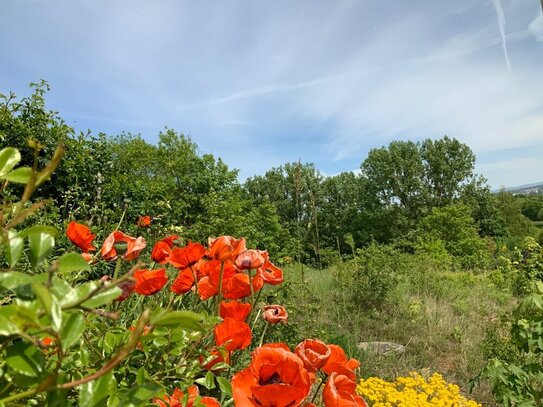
(339, 363)
(206, 289)
(313, 353)
(149, 282)
(341, 391)
(225, 248)
(170, 240)
(176, 399)
(161, 252)
(233, 334)
(183, 282)
(280, 345)
(144, 221)
(209, 276)
(271, 274)
(249, 259)
(275, 378)
(219, 356)
(187, 256)
(235, 309)
(81, 236)
(274, 314)
(214, 268)
(119, 243)
(238, 286)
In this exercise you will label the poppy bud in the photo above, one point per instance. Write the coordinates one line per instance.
(120, 247)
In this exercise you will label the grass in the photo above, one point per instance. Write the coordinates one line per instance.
(439, 316)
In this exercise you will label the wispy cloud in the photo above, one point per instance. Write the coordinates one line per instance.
(313, 79)
(501, 24)
(536, 27)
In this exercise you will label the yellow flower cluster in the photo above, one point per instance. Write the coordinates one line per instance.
(413, 391)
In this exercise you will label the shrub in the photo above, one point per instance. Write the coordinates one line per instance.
(451, 229)
(516, 372)
(368, 279)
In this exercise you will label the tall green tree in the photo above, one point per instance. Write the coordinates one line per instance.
(448, 165)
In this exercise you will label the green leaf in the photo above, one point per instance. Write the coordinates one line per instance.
(9, 158)
(103, 297)
(97, 392)
(72, 262)
(25, 359)
(6, 326)
(140, 394)
(41, 244)
(43, 295)
(210, 380)
(224, 385)
(19, 315)
(20, 175)
(78, 293)
(50, 304)
(39, 229)
(72, 328)
(141, 376)
(13, 279)
(180, 319)
(13, 248)
(60, 288)
(111, 341)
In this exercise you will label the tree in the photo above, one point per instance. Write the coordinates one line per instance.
(448, 165)
(395, 176)
(410, 179)
(294, 190)
(518, 226)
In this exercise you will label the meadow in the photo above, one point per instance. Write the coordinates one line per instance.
(141, 274)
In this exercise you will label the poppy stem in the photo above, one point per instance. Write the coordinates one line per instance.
(263, 334)
(317, 390)
(122, 217)
(118, 265)
(251, 285)
(195, 281)
(256, 318)
(219, 297)
(253, 306)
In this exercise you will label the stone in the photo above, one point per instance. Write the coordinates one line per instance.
(382, 348)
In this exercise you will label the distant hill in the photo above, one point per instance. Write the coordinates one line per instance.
(535, 188)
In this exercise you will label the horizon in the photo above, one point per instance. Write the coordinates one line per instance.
(260, 85)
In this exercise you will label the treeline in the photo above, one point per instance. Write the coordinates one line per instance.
(420, 196)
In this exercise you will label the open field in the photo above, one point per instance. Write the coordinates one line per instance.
(440, 317)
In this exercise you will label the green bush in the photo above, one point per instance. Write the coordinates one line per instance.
(368, 279)
(516, 373)
(451, 230)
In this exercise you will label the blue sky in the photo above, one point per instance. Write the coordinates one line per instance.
(261, 83)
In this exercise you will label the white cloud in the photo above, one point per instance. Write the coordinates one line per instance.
(536, 28)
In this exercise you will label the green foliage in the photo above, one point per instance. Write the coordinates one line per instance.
(525, 265)
(518, 381)
(532, 207)
(43, 299)
(451, 230)
(518, 226)
(368, 279)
